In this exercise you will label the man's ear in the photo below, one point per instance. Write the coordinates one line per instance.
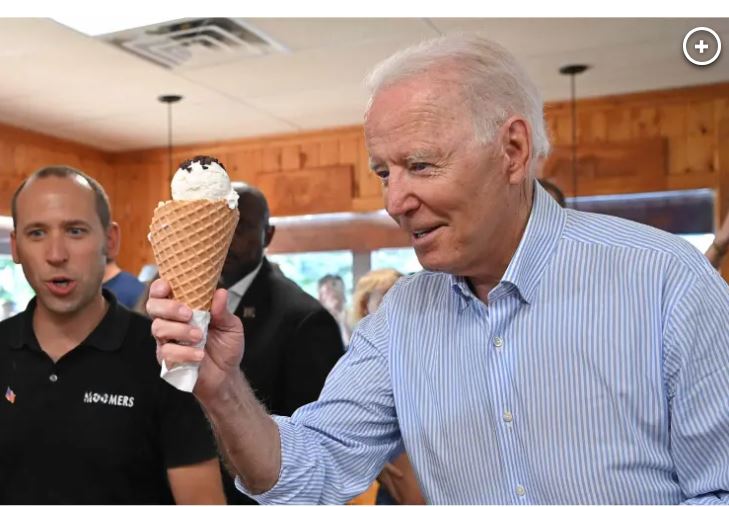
(14, 247)
(113, 240)
(516, 139)
(268, 235)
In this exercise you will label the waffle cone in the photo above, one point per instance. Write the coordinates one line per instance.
(190, 240)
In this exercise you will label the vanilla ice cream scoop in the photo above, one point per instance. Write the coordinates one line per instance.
(203, 178)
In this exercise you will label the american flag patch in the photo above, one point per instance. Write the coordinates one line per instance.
(10, 395)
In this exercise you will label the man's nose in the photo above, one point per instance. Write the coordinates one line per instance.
(56, 252)
(400, 199)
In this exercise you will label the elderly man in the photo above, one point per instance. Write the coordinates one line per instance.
(546, 356)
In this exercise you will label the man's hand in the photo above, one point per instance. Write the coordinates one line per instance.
(722, 235)
(176, 338)
(398, 477)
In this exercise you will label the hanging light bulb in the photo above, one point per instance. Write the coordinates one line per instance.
(572, 71)
(169, 100)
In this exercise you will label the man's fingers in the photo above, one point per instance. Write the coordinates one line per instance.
(165, 331)
(220, 316)
(168, 309)
(173, 353)
(160, 289)
(160, 306)
(394, 470)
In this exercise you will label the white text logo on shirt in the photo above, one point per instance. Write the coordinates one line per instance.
(118, 400)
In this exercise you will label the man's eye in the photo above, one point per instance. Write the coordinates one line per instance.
(419, 166)
(382, 174)
(76, 231)
(35, 233)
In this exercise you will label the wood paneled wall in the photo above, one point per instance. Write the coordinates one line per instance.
(23, 151)
(621, 137)
(652, 141)
(314, 172)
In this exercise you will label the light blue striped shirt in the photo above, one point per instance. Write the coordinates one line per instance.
(597, 373)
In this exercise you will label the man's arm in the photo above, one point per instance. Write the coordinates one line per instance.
(328, 451)
(718, 248)
(198, 484)
(248, 436)
(697, 376)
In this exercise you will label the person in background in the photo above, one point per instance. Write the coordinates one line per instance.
(398, 484)
(124, 285)
(292, 342)
(544, 355)
(718, 248)
(554, 191)
(86, 418)
(332, 296)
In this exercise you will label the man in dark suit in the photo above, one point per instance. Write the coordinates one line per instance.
(291, 340)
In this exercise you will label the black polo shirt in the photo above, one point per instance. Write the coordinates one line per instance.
(99, 426)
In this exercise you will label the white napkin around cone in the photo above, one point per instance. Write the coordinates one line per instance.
(183, 376)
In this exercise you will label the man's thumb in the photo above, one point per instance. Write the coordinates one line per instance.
(220, 316)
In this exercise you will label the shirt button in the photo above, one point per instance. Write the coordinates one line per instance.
(498, 342)
(507, 416)
(53, 377)
(520, 490)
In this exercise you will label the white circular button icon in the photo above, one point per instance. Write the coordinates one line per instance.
(696, 48)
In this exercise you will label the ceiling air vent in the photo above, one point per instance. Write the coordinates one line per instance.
(196, 42)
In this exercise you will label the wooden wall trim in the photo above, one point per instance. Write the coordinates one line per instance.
(690, 122)
(665, 96)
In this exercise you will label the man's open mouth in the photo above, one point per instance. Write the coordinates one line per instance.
(421, 233)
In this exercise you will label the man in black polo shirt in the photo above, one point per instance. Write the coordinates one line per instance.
(85, 417)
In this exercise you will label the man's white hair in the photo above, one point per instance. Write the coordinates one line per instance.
(491, 80)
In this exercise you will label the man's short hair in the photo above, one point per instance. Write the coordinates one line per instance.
(327, 279)
(492, 81)
(103, 209)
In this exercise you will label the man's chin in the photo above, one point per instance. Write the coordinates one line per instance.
(59, 307)
(431, 263)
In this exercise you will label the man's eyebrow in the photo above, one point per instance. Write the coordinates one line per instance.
(65, 223)
(374, 164)
(78, 221)
(34, 225)
(418, 155)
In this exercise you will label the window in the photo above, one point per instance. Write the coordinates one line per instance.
(14, 289)
(307, 268)
(402, 259)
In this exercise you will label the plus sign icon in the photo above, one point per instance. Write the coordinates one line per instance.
(701, 46)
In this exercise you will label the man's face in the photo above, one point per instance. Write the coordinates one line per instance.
(440, 185)
(331, 296)
(248, 244)
(61, 244)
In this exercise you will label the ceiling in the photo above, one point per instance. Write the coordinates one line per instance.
(66, 84)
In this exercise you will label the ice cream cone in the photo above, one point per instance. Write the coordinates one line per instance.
(190, 240)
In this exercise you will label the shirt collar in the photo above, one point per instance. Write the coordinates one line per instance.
(540, 238)
(108, 335)
(241, 286)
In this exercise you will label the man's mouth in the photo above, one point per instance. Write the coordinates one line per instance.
(421, 233)
(60, 285)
